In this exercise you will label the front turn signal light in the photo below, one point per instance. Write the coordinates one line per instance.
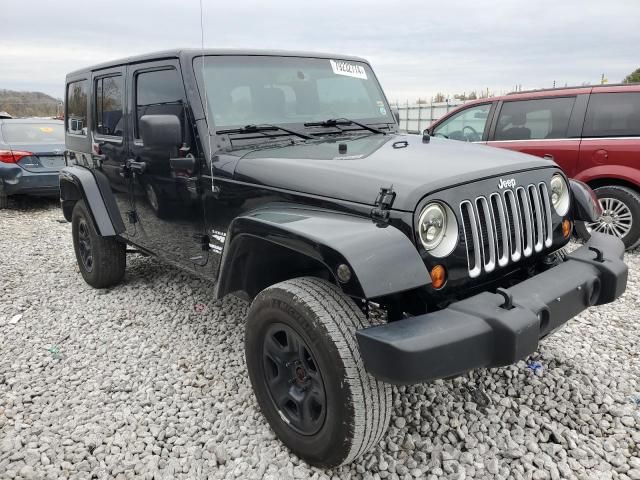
(566, 228)
(438, 276)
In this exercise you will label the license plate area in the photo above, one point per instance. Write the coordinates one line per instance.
(52, 161)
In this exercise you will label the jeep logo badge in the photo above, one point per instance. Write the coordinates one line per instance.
(507, 183)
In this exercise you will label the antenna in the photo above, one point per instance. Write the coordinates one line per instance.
(206, 95)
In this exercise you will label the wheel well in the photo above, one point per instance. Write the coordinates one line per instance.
(603, 182)
(258, 263)
(69, 194)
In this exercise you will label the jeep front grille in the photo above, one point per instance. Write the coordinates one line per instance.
(505, 227)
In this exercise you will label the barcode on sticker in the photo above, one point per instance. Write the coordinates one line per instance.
(348, 69)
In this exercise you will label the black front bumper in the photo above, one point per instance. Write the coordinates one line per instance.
(481, 332)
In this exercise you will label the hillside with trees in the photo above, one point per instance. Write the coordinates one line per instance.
(633, 77)
(29, 104)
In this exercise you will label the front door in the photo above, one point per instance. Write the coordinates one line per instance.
(167, 198)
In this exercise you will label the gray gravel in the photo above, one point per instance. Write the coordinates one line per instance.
(148, 380)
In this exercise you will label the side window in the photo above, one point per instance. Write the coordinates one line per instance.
(467, 125)
(109, 103)
(613, 115)
(534, 119)
(158, 92)
(76, 117)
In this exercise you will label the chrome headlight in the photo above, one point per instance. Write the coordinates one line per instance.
(559, 194)
(438, 229)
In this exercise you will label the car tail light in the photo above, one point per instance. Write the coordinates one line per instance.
(9, 156)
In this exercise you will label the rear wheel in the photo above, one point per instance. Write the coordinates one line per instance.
(305, 367)
(620, 215)
(156, 199)
(102, 260)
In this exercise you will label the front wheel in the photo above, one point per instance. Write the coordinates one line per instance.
(620, 215)
(305, 367)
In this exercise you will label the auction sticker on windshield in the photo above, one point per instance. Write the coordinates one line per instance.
(348, 69)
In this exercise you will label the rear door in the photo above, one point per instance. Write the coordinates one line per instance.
(611, 135)
(109, 142)
(545, 127)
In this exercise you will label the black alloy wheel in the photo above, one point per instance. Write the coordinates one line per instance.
(294, 379)
(84, 245)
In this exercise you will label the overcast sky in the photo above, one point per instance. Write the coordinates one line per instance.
(418, 48)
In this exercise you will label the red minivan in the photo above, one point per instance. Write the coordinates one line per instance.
(592, 132)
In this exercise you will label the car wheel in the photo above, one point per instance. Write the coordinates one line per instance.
(620, 215)
(307, 374)
(4, 201)
(156, 200)
(102, 260)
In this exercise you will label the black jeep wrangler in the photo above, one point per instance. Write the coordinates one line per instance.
(370, 257)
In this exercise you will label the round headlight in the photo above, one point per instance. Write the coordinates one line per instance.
(559, 194)
(438, 229)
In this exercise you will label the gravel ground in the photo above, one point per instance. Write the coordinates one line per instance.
(148, 380)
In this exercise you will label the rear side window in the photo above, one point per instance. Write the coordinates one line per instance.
(33, 132)
(109, 101)
(76, 119)
(158, 92)
(613, 115)
(534, 119)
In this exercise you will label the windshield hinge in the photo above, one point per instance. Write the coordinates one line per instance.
(383, 204)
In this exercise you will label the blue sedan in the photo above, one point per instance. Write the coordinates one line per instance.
(31, 154)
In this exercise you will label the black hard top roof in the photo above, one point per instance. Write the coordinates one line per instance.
(195, 52)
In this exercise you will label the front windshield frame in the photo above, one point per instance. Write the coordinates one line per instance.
(212, 126)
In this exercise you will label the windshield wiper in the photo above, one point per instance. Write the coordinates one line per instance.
(265, 127)
(336, 122)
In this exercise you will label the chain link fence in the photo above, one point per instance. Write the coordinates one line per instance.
(414, 118)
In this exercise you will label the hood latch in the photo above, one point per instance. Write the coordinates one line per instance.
(384, 201)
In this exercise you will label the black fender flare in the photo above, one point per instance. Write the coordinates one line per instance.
(93, 187)
(585, 203)
(382, 260)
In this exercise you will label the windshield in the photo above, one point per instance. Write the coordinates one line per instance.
(33, 132)
(245, 90)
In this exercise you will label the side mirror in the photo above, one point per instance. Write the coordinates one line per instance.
(160, 131)
(396, 114)
(427, 131)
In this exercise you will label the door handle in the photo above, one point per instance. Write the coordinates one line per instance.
(136, 167)
(131, 166)
(548, 156)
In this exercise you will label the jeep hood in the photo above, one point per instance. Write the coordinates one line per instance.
(370, 162)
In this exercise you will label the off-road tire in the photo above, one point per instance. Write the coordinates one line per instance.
(358, 407)
(631, 199)
(109, 257)
(4, 202)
